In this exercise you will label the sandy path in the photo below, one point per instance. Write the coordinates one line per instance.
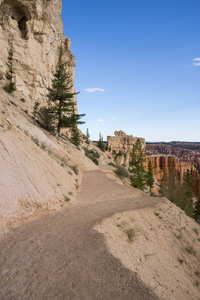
(61, 257)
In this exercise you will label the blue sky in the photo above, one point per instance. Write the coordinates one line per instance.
(137, 66)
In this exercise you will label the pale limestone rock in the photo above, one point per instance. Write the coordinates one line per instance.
(119, 159)
(120, 133)
(122, 142)
(35, 29)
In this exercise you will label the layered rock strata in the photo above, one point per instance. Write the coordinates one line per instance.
(35, 29)
(162, 164)
(122, 142)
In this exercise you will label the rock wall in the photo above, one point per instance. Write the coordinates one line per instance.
(123, 142)
(163, 163)
(35, 29)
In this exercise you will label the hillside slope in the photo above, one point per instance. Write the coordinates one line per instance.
(38, 171)
(161, 244)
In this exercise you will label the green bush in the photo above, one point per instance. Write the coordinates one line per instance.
(75, 169)
(93, 155)
(121, 172)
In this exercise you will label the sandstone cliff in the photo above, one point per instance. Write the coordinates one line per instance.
(38, 172)
(163, 163)
(36, 31)
(123, 142)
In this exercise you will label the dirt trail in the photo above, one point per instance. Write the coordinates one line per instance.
(61, 257)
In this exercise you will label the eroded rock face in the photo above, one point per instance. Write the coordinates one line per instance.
(162, 164)
(123, 142)
(35, 29)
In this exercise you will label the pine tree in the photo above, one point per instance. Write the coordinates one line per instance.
(188, 185)
(150, 179)
(187, 203)
(87, 136)
(179, 194)
(197, 211)
(60, 95)
(44, 116)
(10, 86)
(74, 121)
(137, 166)
(100, 143)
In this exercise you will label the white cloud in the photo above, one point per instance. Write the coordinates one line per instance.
(113, 119)
(93, 90)
(196, 61)
(100, 120)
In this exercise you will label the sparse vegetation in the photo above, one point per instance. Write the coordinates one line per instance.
(10, 85)
(190, 249)
(178, 193)
(67, 199)
(121, 172)
(112, 164)
(35, 140)
(149, 176)
(101, 143)
(138, 177)
(197, 211)
(45, 117)
(131, 233)
(93, 155)
(179, 236)
(75, 169)
(197, 273)
(181, 261)
(87, 136)
(149, 254)
(197, 283)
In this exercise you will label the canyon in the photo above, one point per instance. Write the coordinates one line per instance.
(64, 221)
(164, 156)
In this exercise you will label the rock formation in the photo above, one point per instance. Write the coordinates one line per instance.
(122, 142)
(163, 163)
(35, 29)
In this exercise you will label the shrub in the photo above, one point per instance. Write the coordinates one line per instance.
(190, 249)
(67, 199)
(131, 233)
(93, 155)
(75, 169)
(111, 164)
(121, 172)
(46, 119)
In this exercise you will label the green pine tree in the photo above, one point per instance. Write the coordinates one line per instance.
(87, 136)
(177, 192)
(188, 185)
(138, 177)
(60, 95)
(150, 179)
(74, 121)
(10, 86)
(44, 116)
(100, 143)
(187, 203)
(197, 211)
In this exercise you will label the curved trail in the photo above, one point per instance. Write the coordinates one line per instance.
(61, 257)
